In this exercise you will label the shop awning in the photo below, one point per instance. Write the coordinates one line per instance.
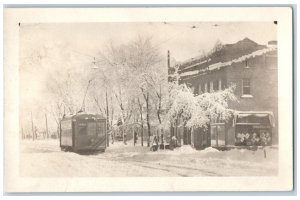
(254, 117)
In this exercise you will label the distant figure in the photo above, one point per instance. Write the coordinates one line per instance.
(255, 139)
(135, 137)
(247, 139)
(125, 138)
(162, 146)
(112, 137)
(154, 146)
(173, 143)
(265, 138)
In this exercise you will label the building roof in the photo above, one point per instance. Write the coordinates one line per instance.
(225, 56)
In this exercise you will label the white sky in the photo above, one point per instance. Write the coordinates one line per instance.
(183, 41)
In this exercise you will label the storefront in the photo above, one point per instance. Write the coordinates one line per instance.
(246, 128)
(253, 128)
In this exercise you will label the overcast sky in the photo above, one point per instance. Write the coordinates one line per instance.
(184, 40)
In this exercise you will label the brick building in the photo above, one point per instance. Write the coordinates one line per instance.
(253, 69)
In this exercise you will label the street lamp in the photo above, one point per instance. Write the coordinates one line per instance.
(94, 67)
(94, 64)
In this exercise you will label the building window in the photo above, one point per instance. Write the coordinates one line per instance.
(193, 89)
(211, 86)
(216, 85)
(205, 87)
(246, 86)
(200, 88)
(246, 63)
(220, 84)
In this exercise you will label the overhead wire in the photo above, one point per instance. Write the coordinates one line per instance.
(189, 27)
(158, 44)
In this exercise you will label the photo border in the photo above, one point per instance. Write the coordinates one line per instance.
(10, 45)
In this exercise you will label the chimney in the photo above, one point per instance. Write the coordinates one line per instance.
(272, 43)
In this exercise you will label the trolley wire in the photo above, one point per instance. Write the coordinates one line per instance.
(186, 28)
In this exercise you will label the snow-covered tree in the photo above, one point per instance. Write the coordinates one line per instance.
(181, 103)
(198, 111)
(137, 81)
(212, 107)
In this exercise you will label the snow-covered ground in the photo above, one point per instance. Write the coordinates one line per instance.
(44, 159)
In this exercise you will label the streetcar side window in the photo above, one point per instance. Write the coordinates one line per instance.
(101, 128)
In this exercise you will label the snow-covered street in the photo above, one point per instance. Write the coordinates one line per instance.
(43, 158)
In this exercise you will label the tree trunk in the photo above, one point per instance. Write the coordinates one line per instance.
(142, 134)
(142, 123)
(107, 116)
(58, 132)
(112, 112)
(148, 119)
(159, 105)
(158, 116)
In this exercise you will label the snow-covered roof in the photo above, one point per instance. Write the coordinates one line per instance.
(253, 112)
(190, 73)
(198, 63)
(227, 55)
(220, 65)
(83, 115)
(242, 58)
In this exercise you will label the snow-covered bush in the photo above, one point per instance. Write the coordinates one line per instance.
(198, 111)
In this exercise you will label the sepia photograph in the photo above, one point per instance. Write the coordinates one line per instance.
(148, 99)
(146, 103)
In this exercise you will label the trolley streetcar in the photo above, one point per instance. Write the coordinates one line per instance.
(83, 133)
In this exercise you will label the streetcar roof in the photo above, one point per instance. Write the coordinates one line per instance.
(84, 115)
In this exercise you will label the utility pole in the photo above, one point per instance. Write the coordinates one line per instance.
(47, 133)
(168, 64)
(32, 127)
(83, 102)
(172, 129)
(23, 137)
(168, 59)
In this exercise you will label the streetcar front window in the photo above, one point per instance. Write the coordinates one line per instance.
(91, 128)
(82, 128)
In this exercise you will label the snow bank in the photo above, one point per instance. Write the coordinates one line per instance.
(185, 149)
(209, 150)
(44, 159)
